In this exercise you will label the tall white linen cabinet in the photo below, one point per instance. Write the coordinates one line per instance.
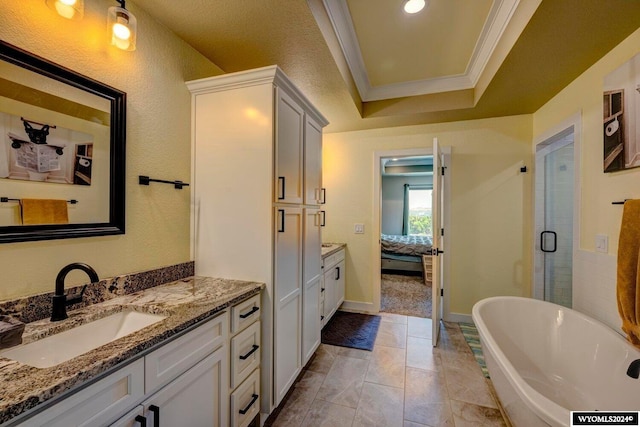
(257, 178)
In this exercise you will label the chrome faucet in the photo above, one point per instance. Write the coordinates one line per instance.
(634, 369)
(59, 299)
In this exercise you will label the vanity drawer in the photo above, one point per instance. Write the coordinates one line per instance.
(245, 401)
(172, 359)
(99, 404)
(245, 353)
(328, 261)
(245, 313)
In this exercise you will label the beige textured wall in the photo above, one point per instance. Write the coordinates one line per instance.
(490, 230)
(158, 140)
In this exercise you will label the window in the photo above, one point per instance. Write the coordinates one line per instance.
(418, 211)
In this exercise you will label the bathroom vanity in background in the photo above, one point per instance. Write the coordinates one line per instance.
(333, 274)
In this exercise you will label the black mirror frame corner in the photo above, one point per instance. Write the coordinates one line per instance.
(118, 99)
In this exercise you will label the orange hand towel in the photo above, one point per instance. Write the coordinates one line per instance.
(628, 285)
(44, 211)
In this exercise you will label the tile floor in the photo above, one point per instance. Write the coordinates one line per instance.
(403, 382)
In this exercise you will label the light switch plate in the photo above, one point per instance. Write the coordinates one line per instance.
(602, 243)
(358, 228)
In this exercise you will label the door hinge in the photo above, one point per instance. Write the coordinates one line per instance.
(441, 292)
(442, 231)
(442, 169)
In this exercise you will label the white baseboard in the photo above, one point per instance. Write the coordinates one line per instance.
(458, 318)
(358, 307)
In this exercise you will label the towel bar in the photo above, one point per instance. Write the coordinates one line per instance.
(8, 199)
(145, 180)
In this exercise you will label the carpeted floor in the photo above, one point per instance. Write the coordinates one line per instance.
(406, 295)
(470, 334)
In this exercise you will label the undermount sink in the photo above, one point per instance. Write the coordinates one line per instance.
(58, 348)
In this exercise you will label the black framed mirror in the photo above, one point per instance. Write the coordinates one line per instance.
(62, 142)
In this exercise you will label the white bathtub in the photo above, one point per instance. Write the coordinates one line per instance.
(546, 360)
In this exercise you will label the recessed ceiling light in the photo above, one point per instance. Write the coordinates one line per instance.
(414, 6)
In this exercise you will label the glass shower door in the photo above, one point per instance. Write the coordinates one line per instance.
(556, 237)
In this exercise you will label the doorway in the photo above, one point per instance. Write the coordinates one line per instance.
(440, 213)
(555, 201)
(406, 235)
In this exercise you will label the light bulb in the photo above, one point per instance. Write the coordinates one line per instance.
(69, 9)
(121, 31)
(414, 6)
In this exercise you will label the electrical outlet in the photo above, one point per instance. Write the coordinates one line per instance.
(602, 243)
(358, 228)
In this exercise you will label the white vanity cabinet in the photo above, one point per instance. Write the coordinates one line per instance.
(191, 368)
(244, 393)
(192, 380)
(257, 165)
(333, 284)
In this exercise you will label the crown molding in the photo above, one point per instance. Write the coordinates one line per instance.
(497, 21)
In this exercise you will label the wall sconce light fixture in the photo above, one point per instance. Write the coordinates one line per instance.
(122, 26)
(70, 9)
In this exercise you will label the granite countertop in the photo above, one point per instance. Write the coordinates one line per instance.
(185, 302)
(331, 248)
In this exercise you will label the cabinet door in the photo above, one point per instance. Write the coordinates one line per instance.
(289, 149)
(339, 284)
(311, 323)
(312, 162)
(287, 299)
(329, 295)
(311, 269)
(197, 398)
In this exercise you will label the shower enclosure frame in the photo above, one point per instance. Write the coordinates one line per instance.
(572, 125)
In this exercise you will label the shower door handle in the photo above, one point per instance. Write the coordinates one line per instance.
(543, 240)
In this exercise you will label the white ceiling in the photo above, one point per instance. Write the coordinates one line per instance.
(455, 60)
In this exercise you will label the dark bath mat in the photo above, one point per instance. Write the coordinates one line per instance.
(352, 330)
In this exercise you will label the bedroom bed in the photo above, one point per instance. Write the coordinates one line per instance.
(404, 253)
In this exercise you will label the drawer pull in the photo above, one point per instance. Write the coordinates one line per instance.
(254, 397)
(142, 420)
(249, 313)
(253, 350)
(281, 189)
(156, 415)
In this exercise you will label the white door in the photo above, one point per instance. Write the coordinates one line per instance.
(288, 299)
(438, 243)
(312, 273)
(289, 149)
(312, 162)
